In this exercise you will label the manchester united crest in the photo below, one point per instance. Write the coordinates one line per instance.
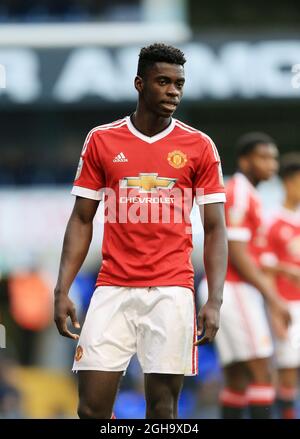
(177, 159)
(79, 353)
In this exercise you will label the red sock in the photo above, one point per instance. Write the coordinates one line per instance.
(261, 399)
(286, 399)
(232, 403)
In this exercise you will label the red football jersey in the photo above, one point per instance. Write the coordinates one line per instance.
(284, 246)
(148, 185)
(244, 219)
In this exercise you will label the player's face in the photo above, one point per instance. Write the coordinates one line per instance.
(162, 88)
(292, 186)
(264, 161)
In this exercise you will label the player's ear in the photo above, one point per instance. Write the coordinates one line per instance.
(138, 84)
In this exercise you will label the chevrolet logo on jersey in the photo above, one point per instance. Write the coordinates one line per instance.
(147, 182)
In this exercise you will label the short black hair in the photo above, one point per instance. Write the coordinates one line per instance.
(158, 52)
(247, 143)
(289, 165)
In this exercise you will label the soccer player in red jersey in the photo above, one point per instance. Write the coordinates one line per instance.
(283, 258)
(244, 340)
(147, 168)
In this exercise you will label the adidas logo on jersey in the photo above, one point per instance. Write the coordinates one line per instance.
(120, 158)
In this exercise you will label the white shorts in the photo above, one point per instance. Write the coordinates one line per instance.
(244, 332)
(157, 323)
(287, 352)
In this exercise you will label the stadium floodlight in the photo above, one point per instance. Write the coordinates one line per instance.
(86, 34)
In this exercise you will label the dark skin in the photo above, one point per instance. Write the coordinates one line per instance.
(215, 261)
(258, 166)
(163, 86)
(159, 94)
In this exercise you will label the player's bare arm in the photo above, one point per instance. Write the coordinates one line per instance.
(290, 271)
(215, 261)
(243, 263)
(77, 240)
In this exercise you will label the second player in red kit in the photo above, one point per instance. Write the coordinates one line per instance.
(283, 259)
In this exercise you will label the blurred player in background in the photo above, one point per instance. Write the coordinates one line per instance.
(283, 259)
(144, 300)
(244, 341)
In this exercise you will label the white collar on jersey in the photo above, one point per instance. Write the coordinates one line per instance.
(148, 139)
(243, 179)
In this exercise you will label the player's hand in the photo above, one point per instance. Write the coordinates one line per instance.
(208, 323)
(64, 308)
(280, 317)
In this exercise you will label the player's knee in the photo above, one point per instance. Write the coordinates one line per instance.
(261, 379)
(88, 411)
(161, 409)
(237, 384)
(261, 375)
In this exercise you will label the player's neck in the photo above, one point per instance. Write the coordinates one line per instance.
(290, 204)
(149, 123)
(251, 178)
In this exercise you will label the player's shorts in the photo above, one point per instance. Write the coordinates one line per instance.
(287, 352)
(156, 323)
(244, 332)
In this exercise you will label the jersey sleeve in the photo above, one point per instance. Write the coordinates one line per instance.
(208, 182)
(237, 214)
(90, 177)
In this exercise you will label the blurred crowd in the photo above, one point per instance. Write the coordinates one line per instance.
(67, 10)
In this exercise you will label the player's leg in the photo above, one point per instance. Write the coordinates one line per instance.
(162, 394)
(166, 333)
(261, 391)
(258, 348)
(287, 392)
(287, 354)
(234, 347)
(105, 346)
(97, 393)
(233, 399)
